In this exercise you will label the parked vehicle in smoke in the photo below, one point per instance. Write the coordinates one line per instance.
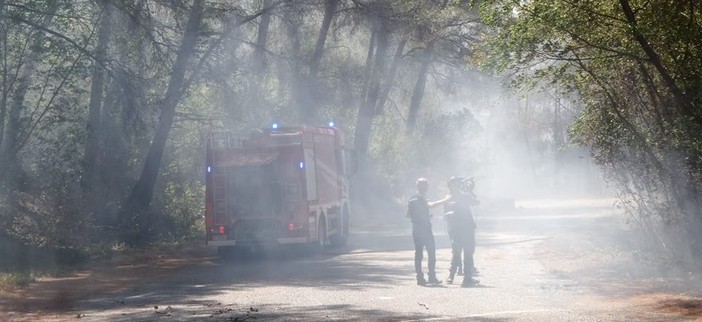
(280, 185)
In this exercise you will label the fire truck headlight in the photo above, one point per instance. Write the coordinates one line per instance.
(302, 164)
(274, 125)
(209, 169)
(331, 123)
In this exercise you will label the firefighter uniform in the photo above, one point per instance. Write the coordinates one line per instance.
(461, 226)
(418, 213)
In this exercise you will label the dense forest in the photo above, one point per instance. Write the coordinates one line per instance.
(104, 104)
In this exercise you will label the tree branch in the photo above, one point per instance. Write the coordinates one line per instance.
(77, 46)
(655, 59)
(218, 42)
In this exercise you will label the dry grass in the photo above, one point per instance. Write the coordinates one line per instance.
(691, 307)
(56, 293)
(11, 281)
(620, 276)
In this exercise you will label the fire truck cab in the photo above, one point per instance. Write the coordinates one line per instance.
(280, 185)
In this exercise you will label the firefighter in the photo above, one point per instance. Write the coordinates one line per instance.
(418, 212)
(461, 226)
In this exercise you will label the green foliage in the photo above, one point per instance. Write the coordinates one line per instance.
(452, 137)
(444, 146)
(635, 66)
(397, 155)
(11, 281)
(65, 202)
(183, 192)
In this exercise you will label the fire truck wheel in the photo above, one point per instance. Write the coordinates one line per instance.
(341, 238)
(347, 223)
(322, 232)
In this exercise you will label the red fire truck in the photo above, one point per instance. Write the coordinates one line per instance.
(280, 185)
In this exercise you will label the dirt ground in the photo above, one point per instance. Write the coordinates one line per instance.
(53, 295)
(622, 274)
(607, 264)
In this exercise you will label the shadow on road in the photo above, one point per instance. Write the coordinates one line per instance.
(377, 257)
(222, 312)
(370, 260)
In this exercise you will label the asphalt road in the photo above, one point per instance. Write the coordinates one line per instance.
(372, 278)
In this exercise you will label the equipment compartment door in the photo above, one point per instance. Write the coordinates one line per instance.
(310, 175)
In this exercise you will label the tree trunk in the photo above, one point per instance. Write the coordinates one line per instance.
(369, 65)
(256, 96)
(308, 108)
(13, 172)
(329, 11)
(93, 127)
(138, 202)
(558, 142)
(259, 61)
(292, 30)
(418, 93)
(390, 76)
(684, 104)
(366, 113)
(5, 86)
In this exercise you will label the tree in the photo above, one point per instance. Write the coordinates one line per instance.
(308, 108)
(375, 68)
(103, 102)
(94, 124)
(13, 174)
(420, 85)
(635, 67)
(434, 27)
(142, 192)
(136, 213)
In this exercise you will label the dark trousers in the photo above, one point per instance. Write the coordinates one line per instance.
(459, 264)
(462, 241)
(424, 238)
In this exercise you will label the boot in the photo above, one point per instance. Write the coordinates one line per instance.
(469, 282)
(420, 280)
(434, 280)
(452, 273)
